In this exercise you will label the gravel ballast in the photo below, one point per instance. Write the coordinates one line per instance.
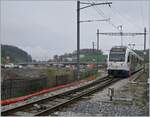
(130, 99)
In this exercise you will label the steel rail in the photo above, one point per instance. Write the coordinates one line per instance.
(62, 98)
(54, 108)
(88, 92)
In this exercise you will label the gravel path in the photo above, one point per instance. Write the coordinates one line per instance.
(90, 108)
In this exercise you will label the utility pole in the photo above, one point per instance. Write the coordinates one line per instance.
(144, 38)
(93, 44)
(78, 39)
(121, 34)
(145, 49)
(78, 28)
(97, 46)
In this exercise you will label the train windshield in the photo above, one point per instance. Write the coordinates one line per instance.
(117, 56)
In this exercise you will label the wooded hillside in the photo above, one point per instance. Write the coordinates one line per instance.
(15, 54)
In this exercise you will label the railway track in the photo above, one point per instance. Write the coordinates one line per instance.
(46, 106)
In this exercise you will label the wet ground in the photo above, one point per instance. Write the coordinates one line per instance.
(130, 99)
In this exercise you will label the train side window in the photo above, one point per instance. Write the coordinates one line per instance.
(132, 57)
(139, 61)
(129, 57)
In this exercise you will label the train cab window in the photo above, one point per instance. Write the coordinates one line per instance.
(116, 56)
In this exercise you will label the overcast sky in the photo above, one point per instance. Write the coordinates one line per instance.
(46, 28)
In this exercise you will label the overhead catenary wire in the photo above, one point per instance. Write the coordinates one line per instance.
(142, 15)
(102, 14)
(110, 22)
(99, 11)
(125, 18)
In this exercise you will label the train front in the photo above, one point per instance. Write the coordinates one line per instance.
(117, 62)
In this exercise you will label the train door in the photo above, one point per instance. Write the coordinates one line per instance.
(129, 62)
(132, 63)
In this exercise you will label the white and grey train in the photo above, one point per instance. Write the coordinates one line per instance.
(123, 61)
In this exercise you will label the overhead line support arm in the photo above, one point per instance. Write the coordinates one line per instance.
(94, 4)
(122, 34)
